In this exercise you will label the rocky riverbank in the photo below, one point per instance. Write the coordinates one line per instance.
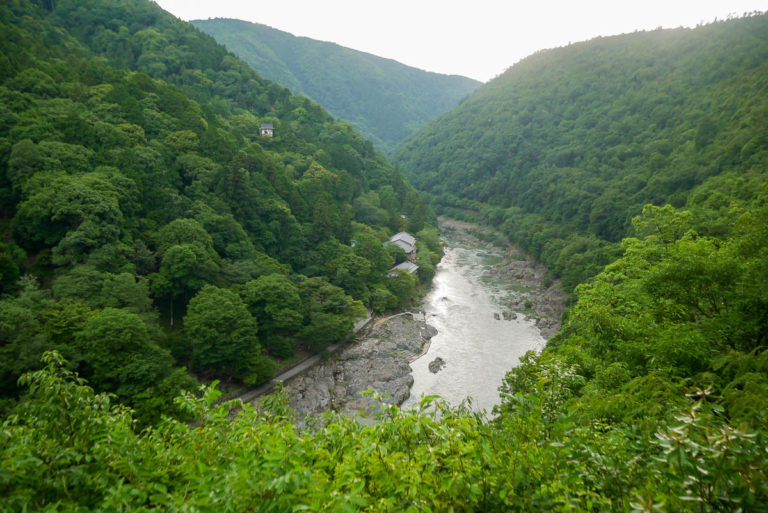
(378, 360)
(518, 282)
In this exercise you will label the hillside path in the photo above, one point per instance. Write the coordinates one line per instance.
(301, 366)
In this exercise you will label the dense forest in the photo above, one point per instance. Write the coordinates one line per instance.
(147, 225)
(568, 145)
(384, 100)
(653, 397)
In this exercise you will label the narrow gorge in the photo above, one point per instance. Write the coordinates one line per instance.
(488, 306)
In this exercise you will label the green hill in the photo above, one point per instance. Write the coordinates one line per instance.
(146, 222)
(383, 99)
(135, 189)
(568, 145)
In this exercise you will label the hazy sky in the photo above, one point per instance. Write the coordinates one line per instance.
(476, 38)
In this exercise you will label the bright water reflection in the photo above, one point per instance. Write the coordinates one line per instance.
(477, 348)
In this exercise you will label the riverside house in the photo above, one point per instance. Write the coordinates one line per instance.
(407, 242)
(406, 266)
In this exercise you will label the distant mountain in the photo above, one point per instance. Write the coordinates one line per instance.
(383, 99)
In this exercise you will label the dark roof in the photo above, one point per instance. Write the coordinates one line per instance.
(267, 126)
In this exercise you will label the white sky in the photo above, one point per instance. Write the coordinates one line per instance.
(476, 38)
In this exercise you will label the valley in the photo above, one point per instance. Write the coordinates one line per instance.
(486, 308)
(174, 224)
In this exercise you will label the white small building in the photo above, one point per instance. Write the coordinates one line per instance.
(267, 130)
(406, 266)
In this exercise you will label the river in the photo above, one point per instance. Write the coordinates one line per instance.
(467, 304)
(486, 308)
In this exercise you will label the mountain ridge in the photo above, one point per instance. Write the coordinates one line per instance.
(383, 98)
(569, 144)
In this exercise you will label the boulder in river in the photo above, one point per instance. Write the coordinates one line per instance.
(436, 365)
(428, 332)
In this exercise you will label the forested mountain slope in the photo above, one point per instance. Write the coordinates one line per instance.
(383, 99)
(133, 185)
(138, 198)
(566, 147)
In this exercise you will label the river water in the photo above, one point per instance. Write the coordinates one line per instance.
(477, 348)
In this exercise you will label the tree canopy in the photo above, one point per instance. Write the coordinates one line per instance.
(568, 145)
(135, 187)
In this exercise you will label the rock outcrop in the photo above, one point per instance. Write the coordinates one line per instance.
(379, 361)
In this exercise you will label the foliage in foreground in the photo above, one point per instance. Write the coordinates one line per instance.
(69, 449)
(653, 397)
